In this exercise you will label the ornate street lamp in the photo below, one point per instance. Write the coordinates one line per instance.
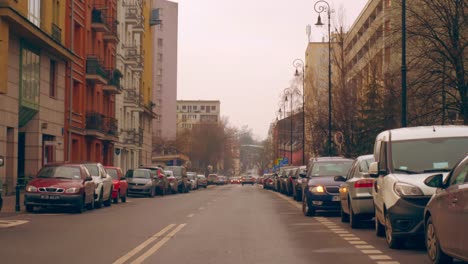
(298, 63)
(320, 7)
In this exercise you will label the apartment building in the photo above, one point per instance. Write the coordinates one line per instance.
(33, 71)
(192, 112)
(165, 69)
(91, 127)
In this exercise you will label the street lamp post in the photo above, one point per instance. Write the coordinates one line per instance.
(320, 7)
(403, 64)
(298, 63)
(291, 127)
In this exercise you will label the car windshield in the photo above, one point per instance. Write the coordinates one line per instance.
(140, 174)
(112, 173)
(428, 155)
(93, 169)
(330, 168)
(61, 172)
(176, 170)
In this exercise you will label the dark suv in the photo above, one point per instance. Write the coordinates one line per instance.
(320, 190)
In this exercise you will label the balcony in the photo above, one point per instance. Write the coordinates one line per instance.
(101, 126)
(113, 86)
(99, 21)
(137, 67)
(132, 54)
(139, 28)
(133, 137)
(112, 35)
(56, 33)
(95, 71)
(132, 16)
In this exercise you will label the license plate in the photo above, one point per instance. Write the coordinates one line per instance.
(49, 197)
(336, 198)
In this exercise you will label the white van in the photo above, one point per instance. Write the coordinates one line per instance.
(404, 158)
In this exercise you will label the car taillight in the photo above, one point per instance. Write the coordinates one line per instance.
(366, 183)
(161, 176)
(171, 179)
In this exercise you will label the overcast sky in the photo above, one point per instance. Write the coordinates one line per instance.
(241, 52)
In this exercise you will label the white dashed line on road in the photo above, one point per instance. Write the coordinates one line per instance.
(11, 223)
(380, 257)
(190, 215)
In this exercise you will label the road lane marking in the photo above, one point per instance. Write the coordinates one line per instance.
(190, 215)
(346, 235)
(364, 246)
(143, 245)
(371, 251)
(11, 223)
(388, 262)
(358, 242)
(351, 238)
(380, 257)
(158, 245)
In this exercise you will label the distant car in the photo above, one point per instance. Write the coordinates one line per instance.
(446, 216)
(235, 180)
(281, 181)
(268, 181)
(320, 190)
(180, 172)
(61, 185)
(212, 179)
(356, 192)
(162, 184)
(291, 175)
(192, 177)
(222, 180)
(296, 182)
(247, 180)
(202, 182)
(141, 182)
(103, 183)
(174, 182)
(119, 192)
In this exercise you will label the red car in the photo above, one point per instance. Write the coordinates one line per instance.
(61, 185)
(120, 184)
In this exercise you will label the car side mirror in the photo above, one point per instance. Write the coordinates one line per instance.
(89, 178)
(374, 170)
(436, 181)
(339, 178)
(2, 161)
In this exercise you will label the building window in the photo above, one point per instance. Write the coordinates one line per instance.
(56, 12)
(184, 107)
(53, 79)
(202, 107)
(160, 57)
(213, 108)
(30, 78)
(160, 42)
(34, 12)
(195, 108)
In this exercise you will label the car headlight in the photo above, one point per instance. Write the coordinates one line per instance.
(72, 190)
(317, 189)
(31, 188)
(404, 189)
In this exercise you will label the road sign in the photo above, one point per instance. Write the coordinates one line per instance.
(285, 160)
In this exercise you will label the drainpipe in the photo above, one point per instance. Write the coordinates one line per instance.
(70, 116)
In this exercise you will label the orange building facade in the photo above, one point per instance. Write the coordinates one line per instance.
(90, 125)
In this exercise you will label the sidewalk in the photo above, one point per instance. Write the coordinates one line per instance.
(9, 203)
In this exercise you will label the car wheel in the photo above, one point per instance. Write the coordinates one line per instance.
(379, 228)
(392, 241)
(100, 201)
(344, 216)
(116, 199)
(108, 202)
(306, 209)
(29, 208)
(151, 194)
(353, 218)
(90, 206)
(124, 198)
(435, 253)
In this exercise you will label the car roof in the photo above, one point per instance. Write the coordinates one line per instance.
(54, 164)
(111, 167)
(365, 157)
(329, 159)
(422, 132)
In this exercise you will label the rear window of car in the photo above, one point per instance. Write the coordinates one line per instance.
(330, 168)
(60, 172)
(112, 173)
(93, 169)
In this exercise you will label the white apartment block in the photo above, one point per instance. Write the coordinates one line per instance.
(129, 104)
(165, 70)
(192, 112)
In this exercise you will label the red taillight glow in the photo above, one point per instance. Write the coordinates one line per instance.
(171, 179)
(161, 176)
(367, 183)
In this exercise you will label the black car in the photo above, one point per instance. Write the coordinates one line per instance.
(296, 182)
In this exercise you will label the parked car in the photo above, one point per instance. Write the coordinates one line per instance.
(103, 184)
(119, 192)
(356, 192)
(221, 180)
(141, 182)
(446, 216)
(192, 177)
(320, 190)
(174, 183)
(248, 179)
(61, 185)
(235, 180)
(268, 182)
(180, 172)
(283, 179)
(404, 158)
(296, 183)
(202, 182)
(212, 179)
(291, 174)
(2, 161)
(162, 183)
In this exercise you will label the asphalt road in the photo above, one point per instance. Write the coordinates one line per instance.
(224, 224)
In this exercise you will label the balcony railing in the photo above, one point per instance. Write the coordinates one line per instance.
(100, 123)
(114, 85)
(95, 69)
(99, 19)
(56, 33)
(112, 34)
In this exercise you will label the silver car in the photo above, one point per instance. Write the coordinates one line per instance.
(192, 177)
(356, 192)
